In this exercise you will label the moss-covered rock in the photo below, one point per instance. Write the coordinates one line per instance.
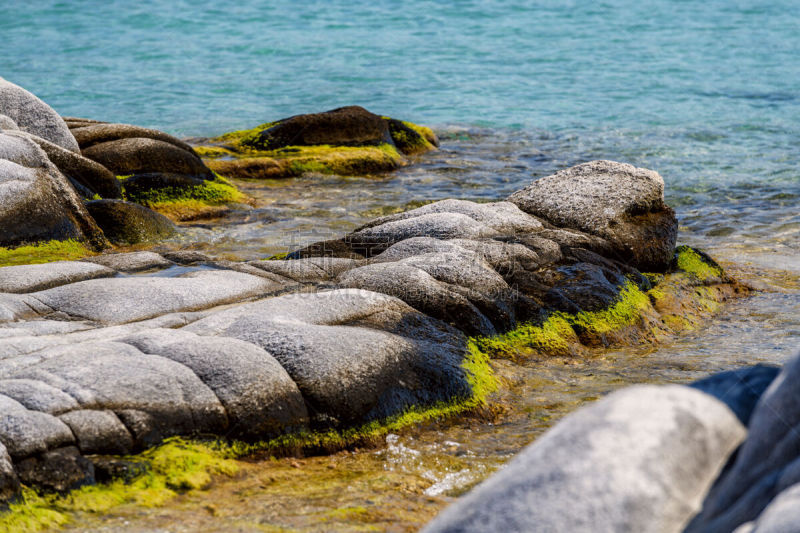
(346, 141)
(127, 223)
(182, 198)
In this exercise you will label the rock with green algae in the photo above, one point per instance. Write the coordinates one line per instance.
(371, 339)
(128, 223)
(344, 141)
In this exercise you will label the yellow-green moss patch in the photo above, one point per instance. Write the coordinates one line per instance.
(174, 466)
(688, 260)
(45, 252)
(188, 203)
(293, 161)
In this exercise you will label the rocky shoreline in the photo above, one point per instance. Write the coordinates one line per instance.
(393, 323)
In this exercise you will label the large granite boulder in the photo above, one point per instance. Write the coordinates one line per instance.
(616, 201)
(30, 114)
(641, 459)
(37, 203)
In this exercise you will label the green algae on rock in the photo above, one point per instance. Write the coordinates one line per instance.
(44, 252)
(346, 141)
(182, 199)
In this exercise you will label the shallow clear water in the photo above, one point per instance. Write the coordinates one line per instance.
(705, 92)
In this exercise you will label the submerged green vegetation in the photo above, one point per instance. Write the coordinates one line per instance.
(44, 252)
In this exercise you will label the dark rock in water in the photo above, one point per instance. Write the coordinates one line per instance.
(767, 463)
(408, 140)
(128, 223)
(616, 201)
(37, 203)
(97, 133)
(186, 257)
(32, 115)
(94, 177)
(58, 470)
(77, 122)
(739, 389)
(637, 460)
(345, 126)
(128, 156)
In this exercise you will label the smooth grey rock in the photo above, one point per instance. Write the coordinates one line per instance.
(20, 307)
(131, 261)
(58, 470)
(7, 123)
(781, 516)
(260, 398)
(421, 291)
(767, 462)
(116, 376)
(34, 191)
(504, 217)
(98, 432)
(640, 460)
(121, 300)
(616, 201)
(31, 114)
(374, 240)
(38, 396)
(91, 133)
(129, 156)
(31, 278)
(355, 355)
(308, 270)
(25, 432)
(96, 178)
